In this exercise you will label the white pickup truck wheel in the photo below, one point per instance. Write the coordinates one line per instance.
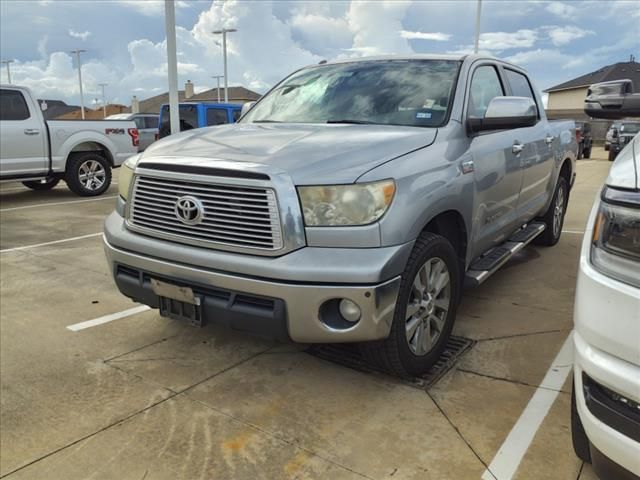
(88, 174)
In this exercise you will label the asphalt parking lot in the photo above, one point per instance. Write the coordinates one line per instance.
(143, 397)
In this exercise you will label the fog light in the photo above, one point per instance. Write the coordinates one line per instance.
(349, 310)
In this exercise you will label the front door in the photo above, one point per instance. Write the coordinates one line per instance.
(23, 147)
(497, 166)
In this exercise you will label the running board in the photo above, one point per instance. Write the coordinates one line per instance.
(486, 265)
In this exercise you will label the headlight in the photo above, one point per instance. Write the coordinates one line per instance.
(126, 175)
(358, 204)
(615, 248)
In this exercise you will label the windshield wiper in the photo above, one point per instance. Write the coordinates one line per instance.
(356, 122)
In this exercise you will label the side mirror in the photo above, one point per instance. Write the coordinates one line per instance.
(246, 107)
(505, 113)
(614, 133)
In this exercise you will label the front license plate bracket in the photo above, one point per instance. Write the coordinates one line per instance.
(179, 303)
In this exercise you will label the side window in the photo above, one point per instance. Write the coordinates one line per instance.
(139, 121)
(188, 117)
(13, 105)
(485, 86)
(236, 115)
(216, 116)
(520, 86)
(151, 122)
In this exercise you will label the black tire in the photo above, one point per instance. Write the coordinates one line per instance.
(612, 155)
(394, 354)
(75, 168)
(46, 184)
(606, 147)
(580, 152)
(578, 435)
(552, 232)
(587, 153)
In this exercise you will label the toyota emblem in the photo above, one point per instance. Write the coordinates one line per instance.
(189, 210)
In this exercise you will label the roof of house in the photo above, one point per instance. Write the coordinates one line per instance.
(92, 114)
(236, 95)
(56, 108)
(617, 71)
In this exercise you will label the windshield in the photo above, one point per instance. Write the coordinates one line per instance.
(391, 92)
(630, 128)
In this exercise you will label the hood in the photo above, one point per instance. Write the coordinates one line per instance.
(625, 171)
(309, 153)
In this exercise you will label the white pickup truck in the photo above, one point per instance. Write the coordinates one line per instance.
(40, 153)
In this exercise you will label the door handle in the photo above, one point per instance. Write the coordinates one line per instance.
(31, 131)
(549, 139)
(517, 148)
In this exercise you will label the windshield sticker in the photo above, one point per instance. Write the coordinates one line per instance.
(423, 115)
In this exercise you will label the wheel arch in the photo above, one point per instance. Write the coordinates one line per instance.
(451, 225)
(91, 146)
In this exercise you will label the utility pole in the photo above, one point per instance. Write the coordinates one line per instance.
(172, 64)
(7, 63)
(478, 10)
(224, 32)
(78, 52)
(218, 77)
(104, 102)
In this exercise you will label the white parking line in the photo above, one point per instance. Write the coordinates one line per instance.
(576, 232)
(16, 249)
(107, 318)
(508, 458)
(57, 203)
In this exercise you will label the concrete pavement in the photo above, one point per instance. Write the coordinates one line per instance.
(147, 397)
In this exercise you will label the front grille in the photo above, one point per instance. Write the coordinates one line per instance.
(232, 216)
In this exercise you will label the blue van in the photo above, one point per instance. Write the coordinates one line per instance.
(198, 115)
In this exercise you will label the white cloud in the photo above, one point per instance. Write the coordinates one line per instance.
(81, 35)
(523, 38)
(150, 7)
(375, 26)
(546, 57)
(564, 35)
(437, 36)
(320, 34)
(561, 9)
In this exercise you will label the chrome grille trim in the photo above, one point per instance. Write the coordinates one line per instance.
(236, 217)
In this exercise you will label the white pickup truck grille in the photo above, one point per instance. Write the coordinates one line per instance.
(231, 215)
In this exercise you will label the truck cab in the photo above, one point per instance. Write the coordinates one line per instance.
(198, 115)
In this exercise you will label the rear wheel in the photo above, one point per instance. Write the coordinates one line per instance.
(425, 310)
(46, 184)
(578, 435)
(587, 153)
(88, 174)
(554, 216)
(612, 155)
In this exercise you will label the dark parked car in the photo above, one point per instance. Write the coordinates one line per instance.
(621, 136)
(198, 115)
(584, 139)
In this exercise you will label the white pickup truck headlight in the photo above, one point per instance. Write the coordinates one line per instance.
(335, 205)
(126, 175)
(615, 248)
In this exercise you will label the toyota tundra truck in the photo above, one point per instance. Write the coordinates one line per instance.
(39, 153)
(352, 203)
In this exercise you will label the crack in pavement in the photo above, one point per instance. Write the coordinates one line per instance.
(516, 335)
(459, 433)
(502, 379)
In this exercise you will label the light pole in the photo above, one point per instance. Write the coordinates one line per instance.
(224, 32)
(477, 42)
(218, 77)
(172, 64)
(78, 52)
(104, 102)
(7, 63)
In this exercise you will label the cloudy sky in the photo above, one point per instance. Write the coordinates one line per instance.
(125, 39)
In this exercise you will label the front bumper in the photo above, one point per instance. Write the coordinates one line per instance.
(314, 278)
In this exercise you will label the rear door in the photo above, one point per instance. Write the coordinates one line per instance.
(147, 126)
(537, 155)
(23, 137)
(496, 164)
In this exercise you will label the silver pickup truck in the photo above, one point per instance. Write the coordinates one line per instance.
(352, 203)
(40, 152)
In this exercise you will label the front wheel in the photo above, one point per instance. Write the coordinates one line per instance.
(88, 174)
(554, 216)
(425, 310)
(45, 184)
(612, 155)
(587, 153)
